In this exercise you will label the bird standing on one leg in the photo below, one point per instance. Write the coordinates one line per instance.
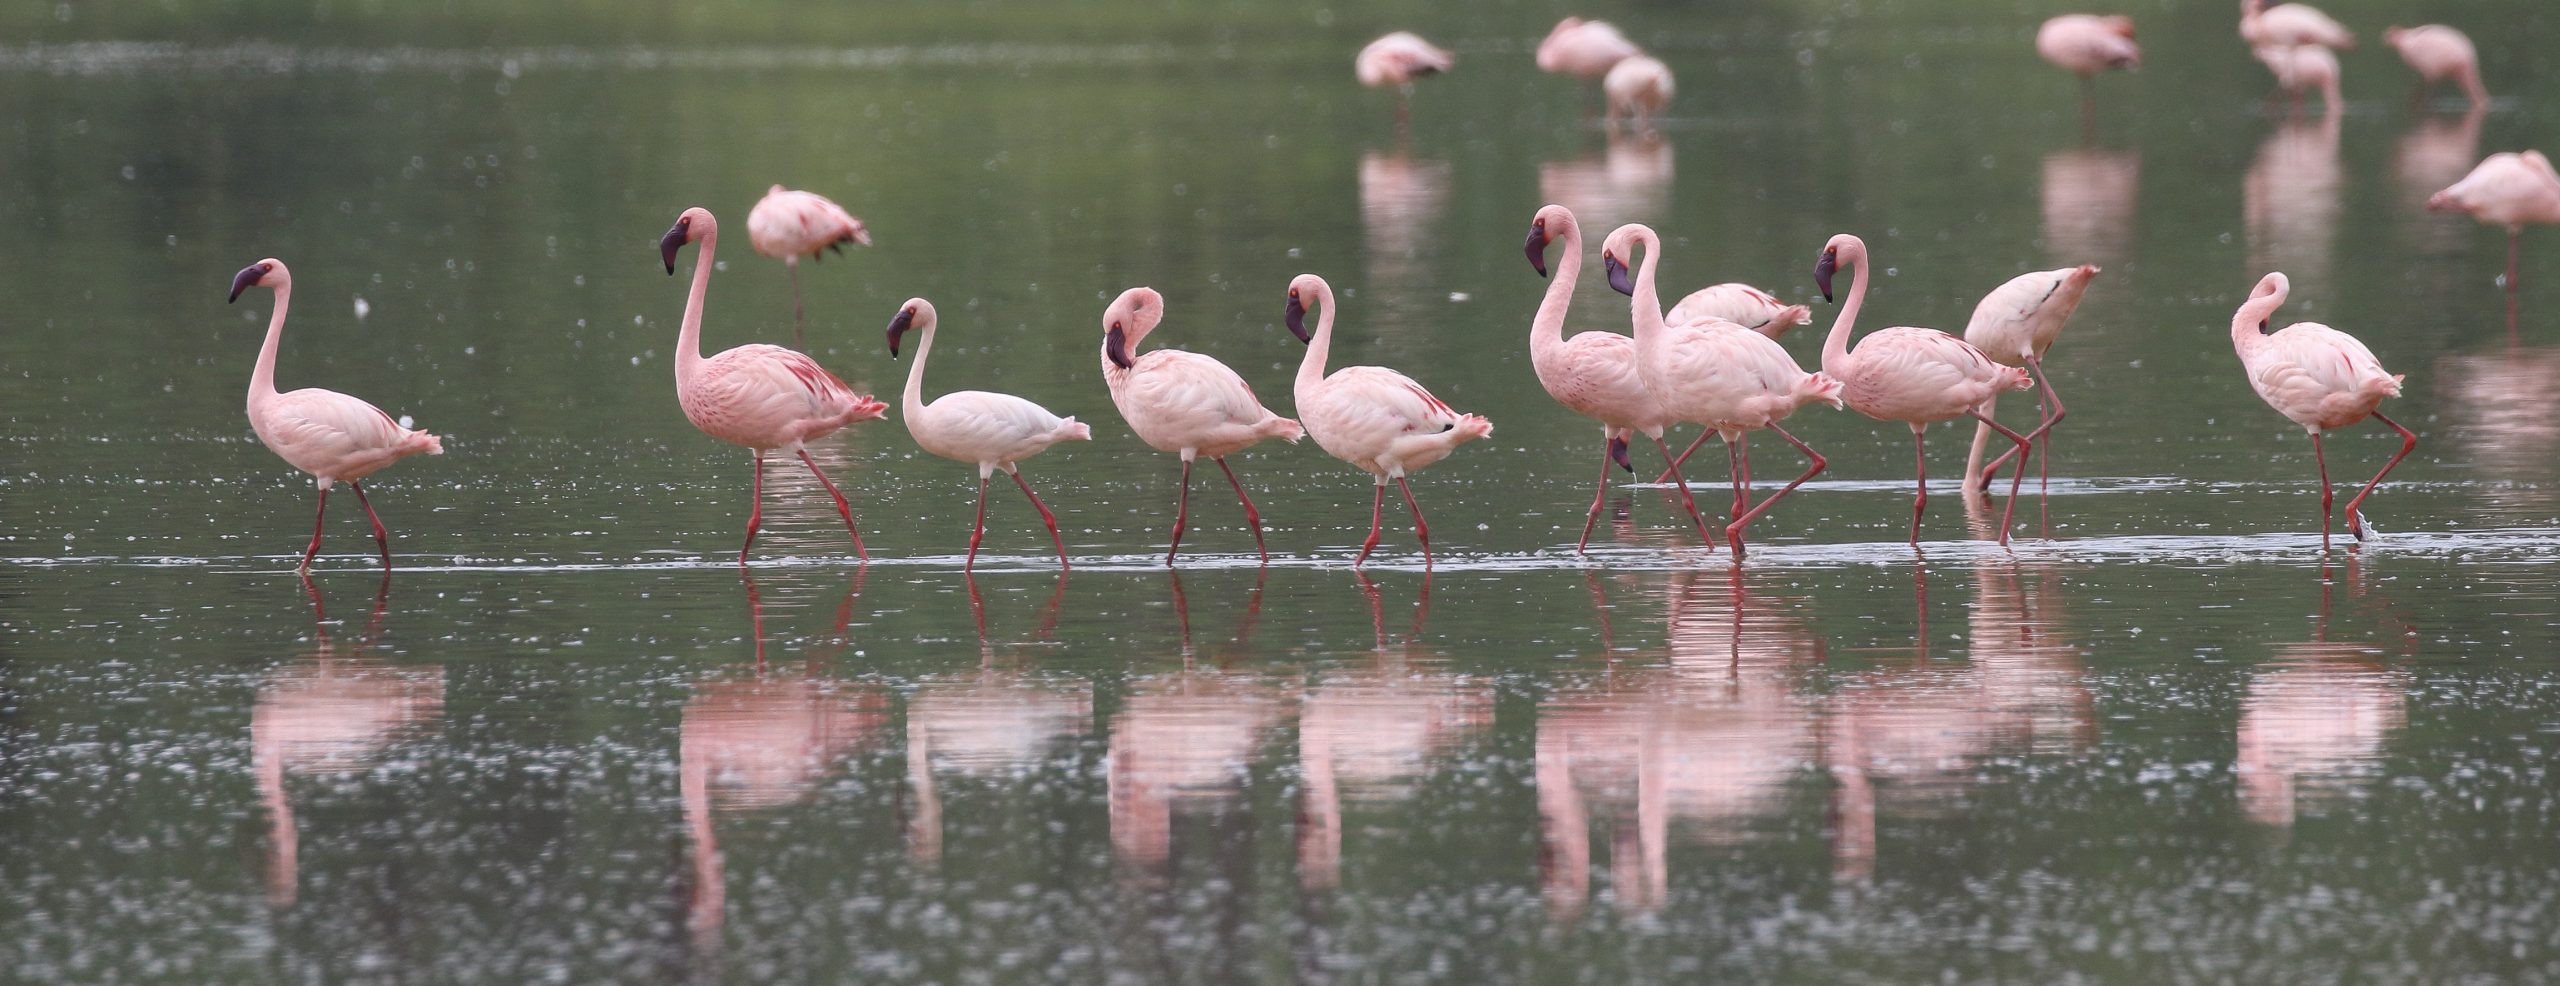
(788, 224)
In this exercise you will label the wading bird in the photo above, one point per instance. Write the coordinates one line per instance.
(1378, 420)
(2321, 378)
(1594, 373)
(2506, 189)
(1398, 59)
(788, 224)
(2438, 53)
(322, 432)
(2014, 325)
(2301, 68)
(1637, 88)
(763, 397)
(993, 430)
(1184, 403)
(1916, 376)
(1740, 304)
(1584, 49)
(2289, 24)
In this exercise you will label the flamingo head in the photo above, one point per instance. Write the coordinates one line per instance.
(1617, 248)
(1550, 221)
(917, 312)
(1129, 319)
(265, 273)
(692, 226)
(1301, 289)
(2264, 299)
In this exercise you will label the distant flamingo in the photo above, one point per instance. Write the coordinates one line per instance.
(1638, 87)
(787, 224)
(2437, 53)
(1727, 378)
(1584, 49)
(1740, 304)
(1396, 61)
(762, 397)
(993, 430)
(1593, 374)
(1916, 376)
(2087, 44)
(2321, 378)
(322, 432)
(2288, 24)
(2507, 190)
(1184, 403)
(2301, 68)
(1378, 420)
(2014, 325)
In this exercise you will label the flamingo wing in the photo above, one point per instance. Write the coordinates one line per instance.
(327, 433)
(767, 384)
(1191, 391)
(1383, 401)
(2306, 363)
(1595, 374)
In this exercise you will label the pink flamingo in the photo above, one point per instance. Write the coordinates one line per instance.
(322, 432)
(2437, 52)
(762, 397)
(1378, 420)
(2506, 189)
(993, 430)
(1398, 59)
(2321, 378)
(1916, 376)
(2087, 44)
(2014, 325)
(1638, 87)
(1727, 378)
(2286, 25)
(2301, 68)
(1593, 374)
(787, 224)
(1584, 49)
(1740, 304)
(1184, 403)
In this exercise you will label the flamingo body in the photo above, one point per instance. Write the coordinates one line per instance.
(2300, 69)
(788, 224)
(1378, 420)
(1398, 59)
(1740, 304)
(2087, 44)
(2437, 53)
(1583, 48)
(2505, 189)
(2290, 24)
(1638, 87)
(2317, 377)
(2014, 325)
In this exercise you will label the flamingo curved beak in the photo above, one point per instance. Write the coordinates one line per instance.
(1536, 248)
(248, 276)
(1296, 319)
(1823, 269)
(898, 327)
(1115, 344)
(670, 243)
(1617, 275)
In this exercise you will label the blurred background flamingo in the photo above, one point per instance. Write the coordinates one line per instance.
(788, 224)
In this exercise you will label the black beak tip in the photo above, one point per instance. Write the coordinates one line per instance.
(1296, 319)
(1618, 276)
(1536, 248)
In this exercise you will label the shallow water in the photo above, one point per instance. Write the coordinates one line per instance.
(2162, 736)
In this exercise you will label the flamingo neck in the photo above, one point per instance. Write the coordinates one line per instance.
(262, 380)
(2248, 330)
(1646, 303)
(1547, 331)
(912, 402)
(1835, 347)
(689, 338)
(1311, 366)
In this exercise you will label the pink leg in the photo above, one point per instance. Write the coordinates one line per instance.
(2046, 420)
(843, 509)
(1683, 458)
(1685, 500)
(1377, 509)
(2321, 456)
(382, 538)
(1733, 473)
(755, 508)
(2016, 479)
(977, 532)
(1599, 498)
(319, 522)
(2408, 443)
(1421, 531)
(1920, 477)
(1181, 514)
(1252, 517)
(2514, 244)
(1734, 533)
(797, 316)
(1045, 517)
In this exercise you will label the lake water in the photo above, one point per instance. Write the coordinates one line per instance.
(2165, 736)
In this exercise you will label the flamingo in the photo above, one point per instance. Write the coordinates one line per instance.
(2302, 68)
(787, 224)
(2087, 44)
(993, 430)
(2014, 325)
(1740, 304)
(1592, 374)
(1397, 60)
(1638, 87)
(762, 397)
(1378, 420)
(2286, 25)
(2321, 378)
(1184, 403)
(2437, 52)
(1725, 377)
(2506, 189)
(322, 432)
(1584, 49)
(1916, 376)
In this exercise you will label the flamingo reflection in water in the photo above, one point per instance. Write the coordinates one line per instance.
(2289, 200)
(2314, 720)
(760, 741)
(1403, 199)
(2436, 152)
(330, 712)
(983, 728)
(1627, 180)
(2504, 408)
(2088, 203)
(1183, 741)
(1710, 738)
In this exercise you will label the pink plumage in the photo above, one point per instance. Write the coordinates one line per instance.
(1740, 304)
(2438, 53)
(330, 435)
(1184, 403)
(2087, 44)
(2289, 24)
(1378, 420)
(2506, 189)
(2014, 325)
(762, 397)
(2318, 377)
(1638, 87)
(1592, 374)
(1399, 58)
(994, 431)
(788, 224)
(2299, 69)
(1583, 48)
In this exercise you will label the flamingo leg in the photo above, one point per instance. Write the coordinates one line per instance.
(1181, 514)
(1045, 517)
(2408, 443)
(382, 538)
(2047, 417)
(1920, 480)
(1734, 533)
(318, 524)
(978, 532)
(1598, 499)
(1421, 531)
(1252, 517)
(755, 508)
(843, 509)
(1683, 458)
(2514, 244)
(797, 314)
(1685, 499)
(2321, 456)
(2009, 510)
(1734, 473)
(1377, 508)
